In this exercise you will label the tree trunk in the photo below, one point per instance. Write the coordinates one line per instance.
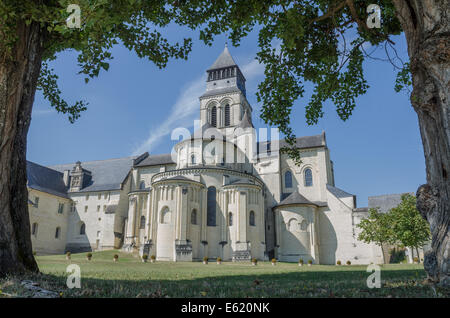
(19, 72)
(426, 25)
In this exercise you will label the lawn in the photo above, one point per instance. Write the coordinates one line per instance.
(129, 277)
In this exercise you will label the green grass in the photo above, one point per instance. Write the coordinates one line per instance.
(129, 277)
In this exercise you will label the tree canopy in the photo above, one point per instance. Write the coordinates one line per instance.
(319, 42)
(136, 24)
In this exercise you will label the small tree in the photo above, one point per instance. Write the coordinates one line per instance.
(376, 228)
(409, 228)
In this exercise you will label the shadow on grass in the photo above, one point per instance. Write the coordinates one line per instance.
(304, 283)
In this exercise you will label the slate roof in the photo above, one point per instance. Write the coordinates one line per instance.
(224, 60)
(297, 199)
(155, 160)
(246, 122)
(46, 180)
(314, 141)
(106, 174)
(220, 91)
(386, 202)
(338, 193)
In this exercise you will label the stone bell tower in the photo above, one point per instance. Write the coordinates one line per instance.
(224, 103)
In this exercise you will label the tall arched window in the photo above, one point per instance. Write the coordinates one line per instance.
(308, 178)
(227, 115)
(211, 207)
(288, 179)
(142, 223)
(165, 215)
(34, 229)
(251, 220)
(194, 217)
(214, 116)
(230, 219)
(83, 229)
(57, 232)
(193, 159)
(142, 185)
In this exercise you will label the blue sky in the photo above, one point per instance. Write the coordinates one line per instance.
(134, 106)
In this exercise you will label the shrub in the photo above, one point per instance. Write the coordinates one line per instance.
(274, 260)
(89, 255)
(34, 253)
(310, 262)
(349, 263)
(153, 257)
(205, 259)
(416, 259)
(68, 254)
(338, 263)
(300, 261)
(219, 259)
(145, 257)
(254, 260)
(116, 256)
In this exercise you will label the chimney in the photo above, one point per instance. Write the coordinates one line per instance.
(66, 178)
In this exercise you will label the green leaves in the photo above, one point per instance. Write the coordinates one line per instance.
(302, 44)
(137, 24)
(409, 227)
(402, 225)
(47, 82)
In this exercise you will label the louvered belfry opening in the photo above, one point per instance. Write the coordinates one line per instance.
(214, 116)
(227, 115)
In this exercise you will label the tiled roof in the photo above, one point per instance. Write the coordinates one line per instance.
(45, 179)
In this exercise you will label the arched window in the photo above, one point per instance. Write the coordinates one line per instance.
(142, 185)
(251, 220)
(165, 215)
(230, 219)
(193, 159)
(211, 207)
(34, 229)
(308, 178)
(304, 225)
(214, 116)
(83, 229)
(57, 232)
(227, 115)
(142, 223)
(194, 217)
(288, 179)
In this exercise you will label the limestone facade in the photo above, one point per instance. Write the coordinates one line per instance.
(223, 192)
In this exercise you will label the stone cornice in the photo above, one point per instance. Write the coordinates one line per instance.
(200, 170)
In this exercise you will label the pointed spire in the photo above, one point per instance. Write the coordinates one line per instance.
(224, 60)
(246, 122)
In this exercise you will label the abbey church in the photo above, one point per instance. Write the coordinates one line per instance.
(223, 192)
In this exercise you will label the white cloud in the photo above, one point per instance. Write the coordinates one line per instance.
(186, 108)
